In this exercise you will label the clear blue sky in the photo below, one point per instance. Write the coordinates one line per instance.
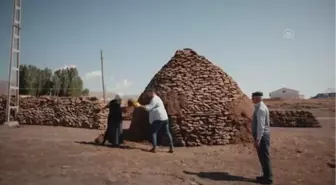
(243, 37)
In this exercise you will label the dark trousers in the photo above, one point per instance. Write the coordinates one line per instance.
(264, 156)
(156, 126)
(113, 134)
(117, 135)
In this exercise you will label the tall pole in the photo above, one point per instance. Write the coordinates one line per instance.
(102, 74)
(14, 65)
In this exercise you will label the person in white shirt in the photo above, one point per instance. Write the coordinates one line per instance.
(261, 136)
(158, 118)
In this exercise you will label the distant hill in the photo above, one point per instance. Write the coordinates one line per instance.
(3, 86)
(111, 95)
(100, 94)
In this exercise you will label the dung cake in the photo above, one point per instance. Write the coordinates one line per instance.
(206, 106)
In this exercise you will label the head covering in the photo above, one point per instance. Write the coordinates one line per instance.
(117, 97)
(257, 94)
(115, 100)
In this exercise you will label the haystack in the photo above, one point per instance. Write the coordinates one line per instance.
(205, 105)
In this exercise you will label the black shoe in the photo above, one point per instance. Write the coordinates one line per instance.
(265, 181)
(259, 178)
(153, 150)
(171, 149)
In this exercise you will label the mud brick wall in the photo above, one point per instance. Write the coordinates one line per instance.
(206, 105)
(293, 119)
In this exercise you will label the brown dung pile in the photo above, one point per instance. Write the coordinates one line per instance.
(80, 112)
(293, 119)
(205, 104)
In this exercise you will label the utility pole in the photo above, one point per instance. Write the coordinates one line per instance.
(14, 66)
(102, 74)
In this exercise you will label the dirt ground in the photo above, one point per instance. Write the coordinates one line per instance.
(36, 155)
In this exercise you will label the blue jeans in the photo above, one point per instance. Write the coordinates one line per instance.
(156, 126)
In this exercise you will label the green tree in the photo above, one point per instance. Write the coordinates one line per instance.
(32, 85)
(70, 82)
(63, 82)
(75, 85)
(24, 72)
(56, 84)
(46, 83)
(86, 92)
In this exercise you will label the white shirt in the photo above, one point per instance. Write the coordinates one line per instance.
(262, 120)
(156, 109)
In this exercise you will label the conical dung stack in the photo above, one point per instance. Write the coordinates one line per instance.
(206, 106)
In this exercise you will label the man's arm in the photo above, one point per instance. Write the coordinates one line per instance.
(261, 117)
(152, 105)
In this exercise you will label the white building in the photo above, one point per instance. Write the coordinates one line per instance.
(285, 93)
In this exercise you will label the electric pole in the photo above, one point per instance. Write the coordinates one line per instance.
(102, 74)
(14, 66)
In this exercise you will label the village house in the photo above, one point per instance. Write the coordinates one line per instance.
(286, 93)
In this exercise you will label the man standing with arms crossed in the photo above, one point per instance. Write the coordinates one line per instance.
(261, 136)
(158, 118)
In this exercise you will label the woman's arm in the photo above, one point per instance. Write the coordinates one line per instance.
(106, 106)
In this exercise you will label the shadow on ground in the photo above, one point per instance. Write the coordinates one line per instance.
(107, 145)
(220, 176)
(332, 164)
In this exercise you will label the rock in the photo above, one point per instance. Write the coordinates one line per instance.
(205, 105)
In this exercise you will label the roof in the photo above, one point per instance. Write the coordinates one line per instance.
(285, 89)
